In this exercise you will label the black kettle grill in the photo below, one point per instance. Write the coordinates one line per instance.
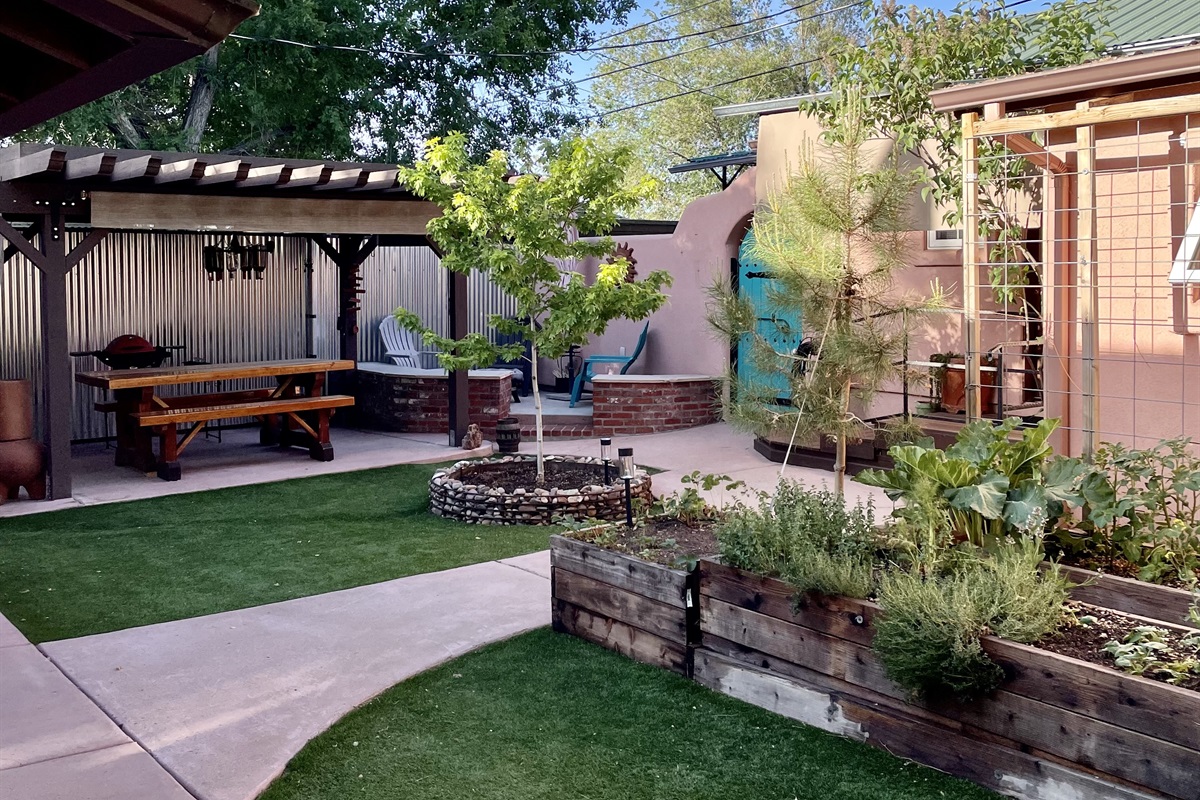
(131, 352)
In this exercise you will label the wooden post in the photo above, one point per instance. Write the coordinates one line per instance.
(1087, 275)
(460, 403)
(57, 375)
(972, 258)
(54, 263)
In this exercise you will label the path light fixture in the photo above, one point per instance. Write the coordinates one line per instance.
(606, 456)
(627, 474)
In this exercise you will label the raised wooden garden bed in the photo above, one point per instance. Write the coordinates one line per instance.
(1131, 596)
(1058, 728)
(643, 610)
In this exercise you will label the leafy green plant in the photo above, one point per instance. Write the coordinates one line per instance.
(1142, 650)
(1137, 505)
(987, 484)
(689, 506)
(929, 636)
(807, 537)
(515, 230)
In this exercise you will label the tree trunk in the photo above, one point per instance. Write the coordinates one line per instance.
(200, 103)
(839, 464)
(537, 414)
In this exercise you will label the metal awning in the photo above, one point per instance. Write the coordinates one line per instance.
(56, 55)
(719, 165)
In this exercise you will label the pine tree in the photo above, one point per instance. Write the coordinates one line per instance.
(832, 240)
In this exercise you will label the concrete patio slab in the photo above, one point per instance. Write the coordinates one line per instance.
(238, 460)
(124, 772)
(224, 701)
(9, 635)
(42, 715)
(716, 449)
(537, 563)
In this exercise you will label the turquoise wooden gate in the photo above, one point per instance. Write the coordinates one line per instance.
(780, 327)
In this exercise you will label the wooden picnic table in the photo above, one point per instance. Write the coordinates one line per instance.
(294, 412)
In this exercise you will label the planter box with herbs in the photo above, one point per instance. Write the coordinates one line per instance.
(1056, 724)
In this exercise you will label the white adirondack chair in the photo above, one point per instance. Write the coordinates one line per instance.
(401, 345)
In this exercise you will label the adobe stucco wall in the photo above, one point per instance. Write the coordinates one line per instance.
(696, 254)
(705, 243)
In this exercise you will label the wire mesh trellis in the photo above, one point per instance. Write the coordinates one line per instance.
(1076, 226)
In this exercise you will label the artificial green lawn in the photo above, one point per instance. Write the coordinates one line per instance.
(107, 567)
(549, 716)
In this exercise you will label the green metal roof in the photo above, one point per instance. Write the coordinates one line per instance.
(1140, 21)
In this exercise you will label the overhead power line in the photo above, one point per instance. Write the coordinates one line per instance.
(707, 46)
(654, 21)
(633, 106)
(443, 54)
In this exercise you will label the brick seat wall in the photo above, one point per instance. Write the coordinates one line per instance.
(638, 404)
(418, 401)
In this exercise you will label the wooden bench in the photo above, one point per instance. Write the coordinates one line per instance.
(165, 421)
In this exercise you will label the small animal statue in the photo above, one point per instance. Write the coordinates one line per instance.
(626, 252)
(474, 437)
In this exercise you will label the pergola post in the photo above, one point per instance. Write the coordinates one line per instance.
(460, 402)
(54, 263)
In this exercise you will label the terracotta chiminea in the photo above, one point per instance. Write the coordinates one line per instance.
(22, 460)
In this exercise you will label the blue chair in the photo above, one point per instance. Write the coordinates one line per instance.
(587, 373)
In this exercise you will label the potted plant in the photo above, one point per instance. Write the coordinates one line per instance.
(953, 382)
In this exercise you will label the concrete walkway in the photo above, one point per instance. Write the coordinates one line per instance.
(56, 744)
(223, 702)
(214, 707)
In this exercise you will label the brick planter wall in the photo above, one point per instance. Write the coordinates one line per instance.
(637, 404)
(453, 494)
(417, 400)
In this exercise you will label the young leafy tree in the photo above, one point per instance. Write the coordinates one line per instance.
(831, 240)
(517, 229)
(380, 77)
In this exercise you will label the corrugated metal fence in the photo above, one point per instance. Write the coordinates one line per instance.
(153, 284)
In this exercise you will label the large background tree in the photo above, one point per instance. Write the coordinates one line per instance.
(375, 100)
(662, 134)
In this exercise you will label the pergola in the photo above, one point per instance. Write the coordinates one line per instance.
(56, 55)
(345, 209)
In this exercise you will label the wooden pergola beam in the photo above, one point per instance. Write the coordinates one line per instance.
(1033, 152)
(1091, 115)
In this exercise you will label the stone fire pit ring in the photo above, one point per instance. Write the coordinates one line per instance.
(452, 494)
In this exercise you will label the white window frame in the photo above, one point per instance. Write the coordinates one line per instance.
(932, 242)
(1184, 269)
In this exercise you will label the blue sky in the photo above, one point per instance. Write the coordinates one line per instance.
(580, 68)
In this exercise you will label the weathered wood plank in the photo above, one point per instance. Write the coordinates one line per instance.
(843, 617)
(623, 571)
(1136, 757)
(1128, 701)
(114, 379)
(624, 639)
(602, 599)
(1131, 596)
(1002, 768)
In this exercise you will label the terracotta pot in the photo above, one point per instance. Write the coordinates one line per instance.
(954, 388)
(22, 463)
(16, 410)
